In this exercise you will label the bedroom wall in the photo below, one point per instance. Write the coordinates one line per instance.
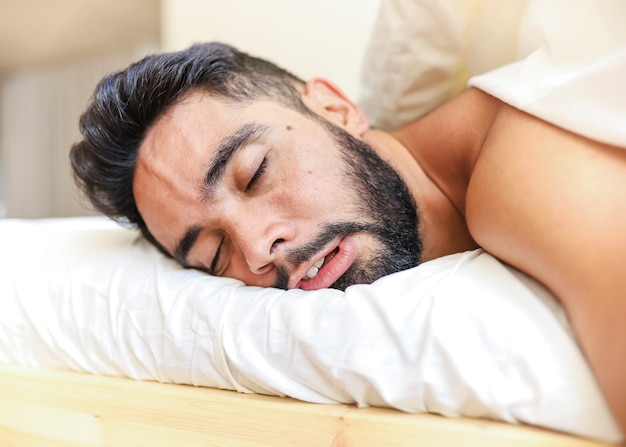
(39, 112)
(53, 53)
(309, 37)
(51, 56)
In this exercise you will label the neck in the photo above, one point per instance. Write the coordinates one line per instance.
(435, 156)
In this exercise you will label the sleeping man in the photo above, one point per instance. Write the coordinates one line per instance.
(233, 166)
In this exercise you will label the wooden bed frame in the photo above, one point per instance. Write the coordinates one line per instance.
(68, 409)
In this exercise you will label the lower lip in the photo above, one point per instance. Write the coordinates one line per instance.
(332, 270)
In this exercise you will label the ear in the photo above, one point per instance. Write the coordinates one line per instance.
(328, 101)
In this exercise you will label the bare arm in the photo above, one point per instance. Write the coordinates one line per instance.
(553, 204)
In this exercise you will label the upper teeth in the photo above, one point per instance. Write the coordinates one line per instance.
(314, 269)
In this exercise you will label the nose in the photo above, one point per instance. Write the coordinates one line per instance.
(262, 241)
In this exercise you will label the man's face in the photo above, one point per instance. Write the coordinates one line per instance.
(267, 195)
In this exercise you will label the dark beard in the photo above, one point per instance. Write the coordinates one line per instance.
(389, 215)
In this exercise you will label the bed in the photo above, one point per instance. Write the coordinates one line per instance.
(164, 348)
(35, 410)
(103, 341)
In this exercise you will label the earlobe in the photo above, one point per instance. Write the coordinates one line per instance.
(327, 100)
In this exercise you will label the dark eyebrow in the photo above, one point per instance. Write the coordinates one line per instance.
(184, 245)
(215, 170)
(216, 167)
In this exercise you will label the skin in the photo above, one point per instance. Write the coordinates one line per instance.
(542, 199)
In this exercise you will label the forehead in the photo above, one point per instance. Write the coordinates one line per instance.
(195, 127)
(191, 131)
(200, 121)
(196, 115)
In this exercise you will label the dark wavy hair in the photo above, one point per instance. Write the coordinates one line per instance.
(126, 103)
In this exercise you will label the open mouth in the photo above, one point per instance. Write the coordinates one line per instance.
(328, 269)
(315, 268)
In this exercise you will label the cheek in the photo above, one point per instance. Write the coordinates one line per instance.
(313, 186)
(323, 192)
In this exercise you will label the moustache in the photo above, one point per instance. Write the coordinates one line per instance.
(327, 234)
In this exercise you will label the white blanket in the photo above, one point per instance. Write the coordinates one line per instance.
(571, 68)
(461, 336)
(561, 60)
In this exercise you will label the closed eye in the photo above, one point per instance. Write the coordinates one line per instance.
(216, 259)
(257, 175)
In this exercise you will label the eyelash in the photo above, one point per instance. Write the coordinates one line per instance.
(216, 258)
(257, 175)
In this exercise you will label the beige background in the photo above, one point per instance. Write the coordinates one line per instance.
(52, 53)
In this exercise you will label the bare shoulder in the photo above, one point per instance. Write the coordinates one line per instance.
(553, 204)
(548, 201)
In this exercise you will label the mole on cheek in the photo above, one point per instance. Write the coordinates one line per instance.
(288, 127)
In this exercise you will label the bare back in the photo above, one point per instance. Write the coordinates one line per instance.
(553, 204)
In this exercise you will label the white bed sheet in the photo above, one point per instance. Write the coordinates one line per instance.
(464, 335)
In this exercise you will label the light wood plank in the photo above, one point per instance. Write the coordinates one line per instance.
(58, 408)
(380, 426)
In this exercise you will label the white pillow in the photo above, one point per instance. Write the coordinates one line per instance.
(422, 53)
(461, 336)
(561, 61)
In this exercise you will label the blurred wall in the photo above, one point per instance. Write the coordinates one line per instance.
(39, 112)
(52, 53)
(308, 37)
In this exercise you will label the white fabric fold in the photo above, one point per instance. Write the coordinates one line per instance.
(463, 335)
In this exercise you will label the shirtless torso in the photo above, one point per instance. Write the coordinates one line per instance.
(546, 201)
